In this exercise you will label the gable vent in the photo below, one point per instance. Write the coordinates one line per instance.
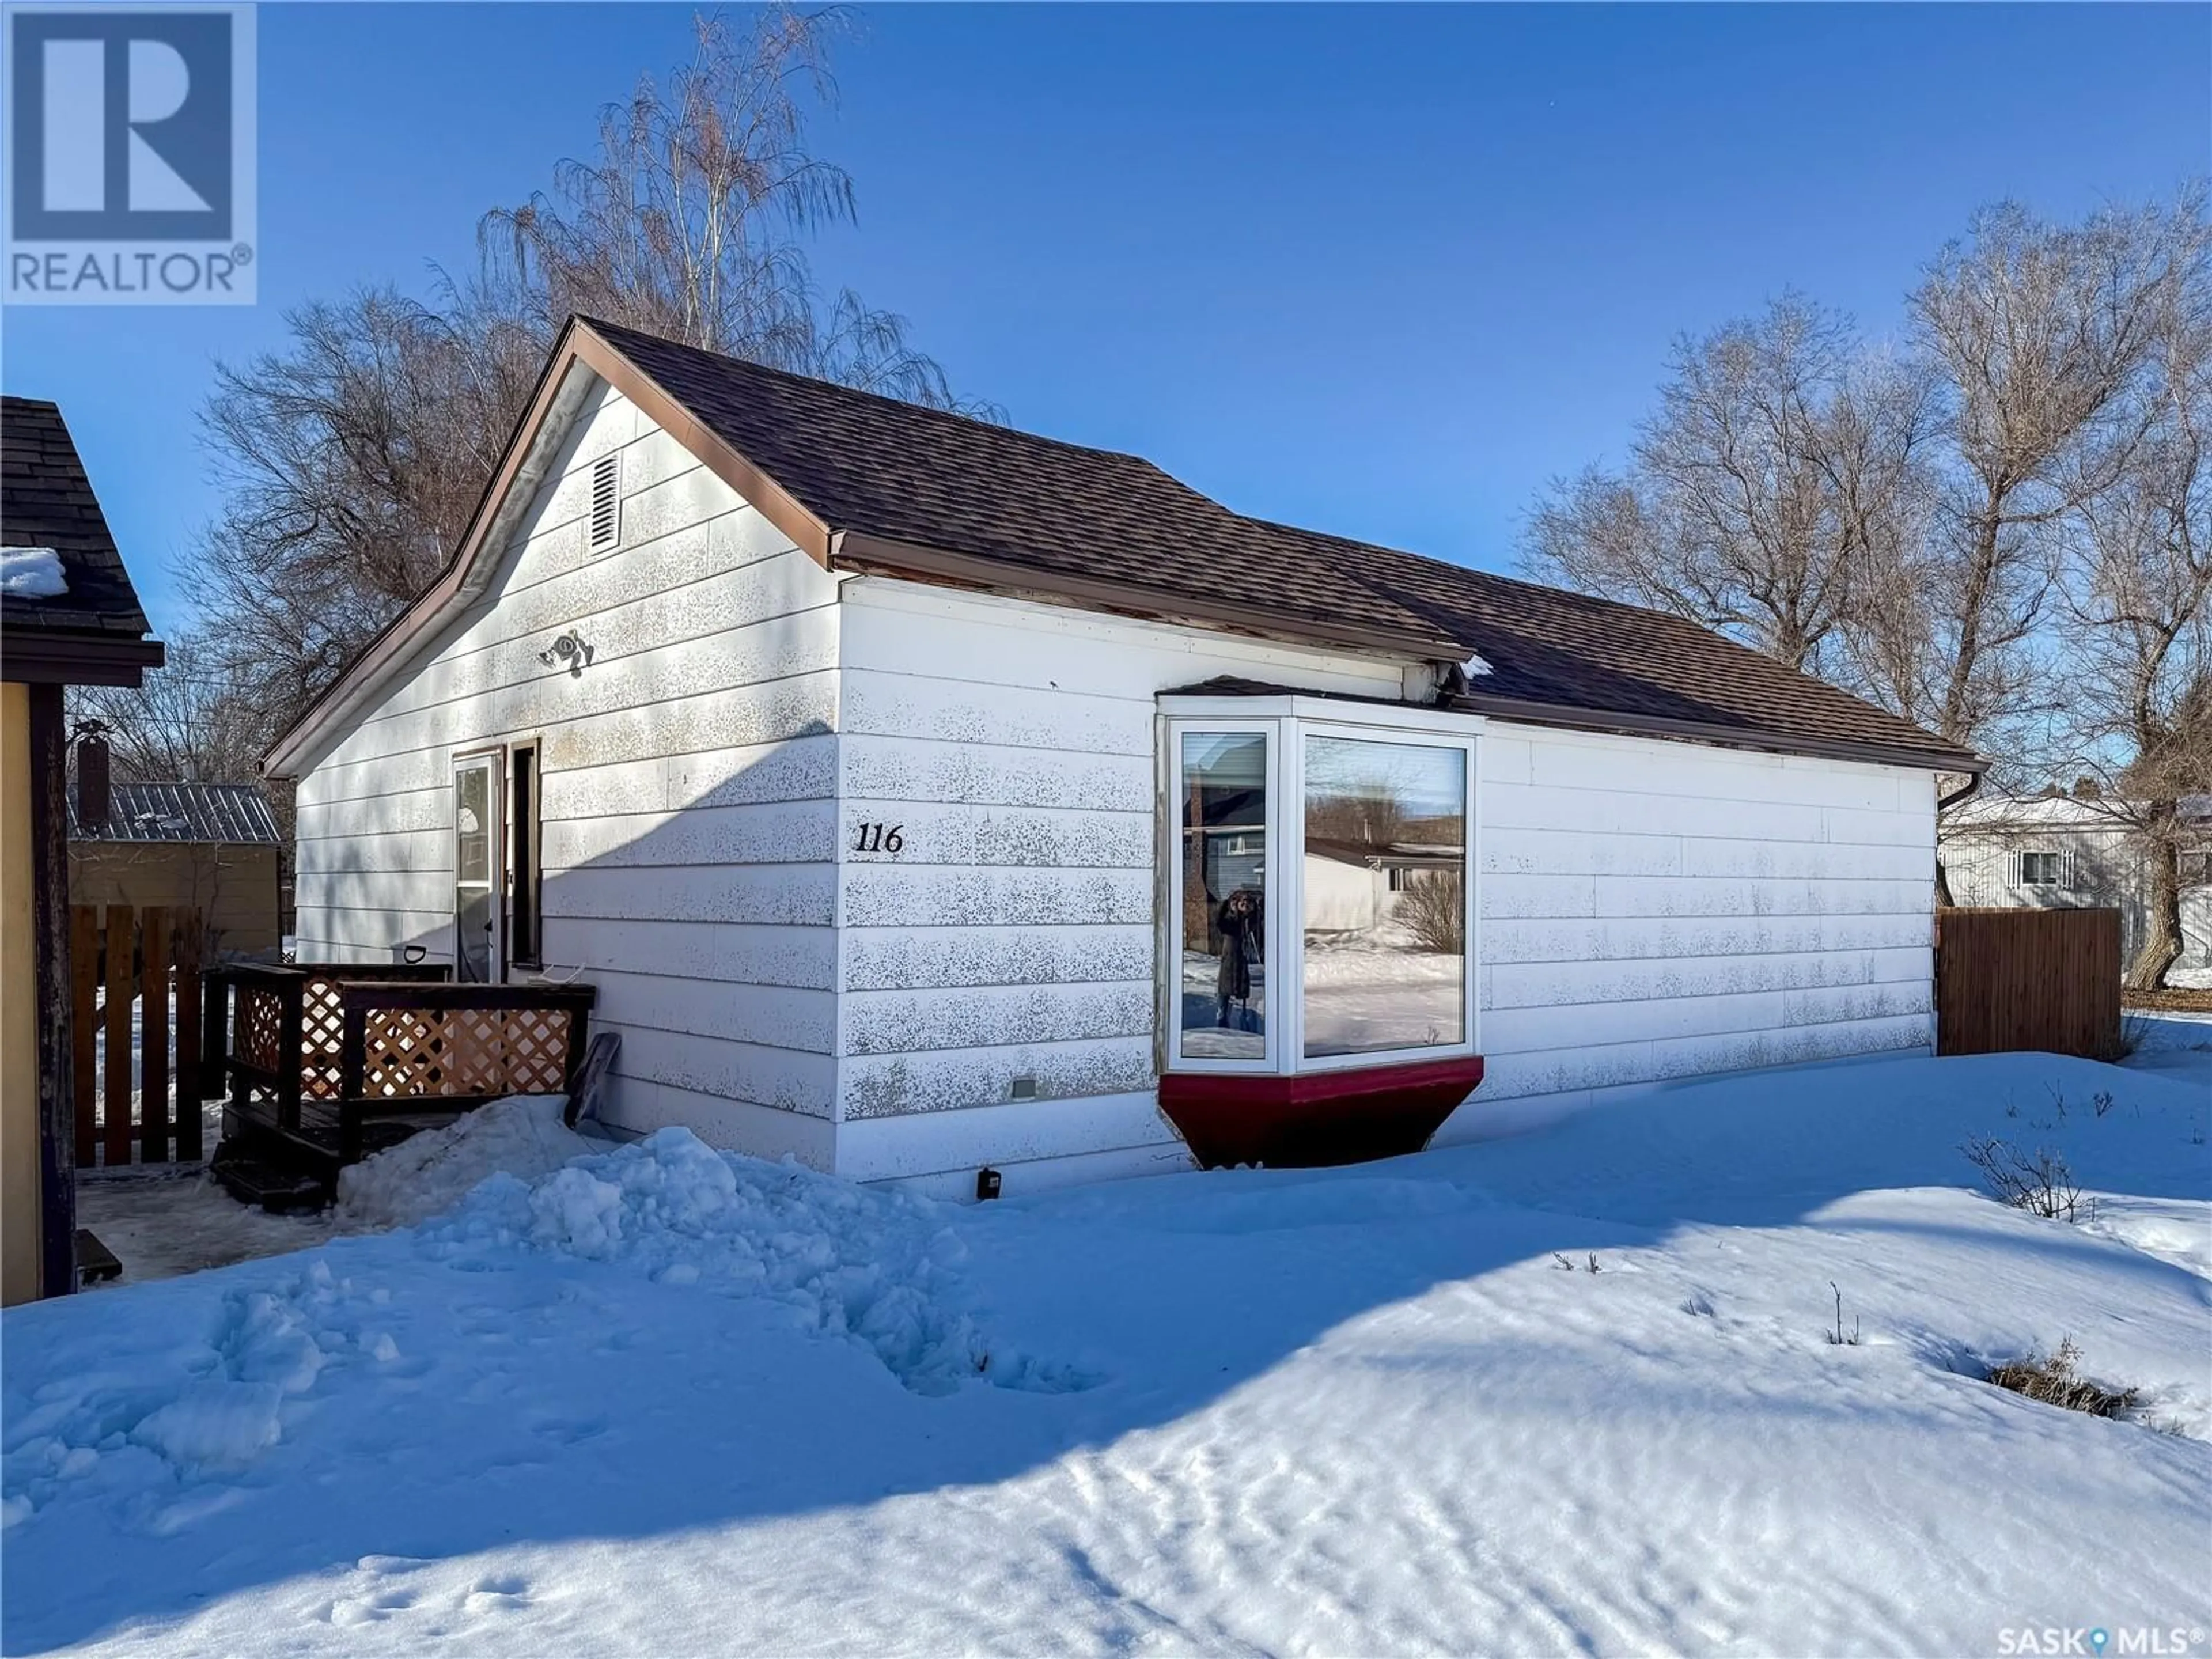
(606, 501)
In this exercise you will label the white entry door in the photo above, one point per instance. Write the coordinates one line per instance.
(477, 943)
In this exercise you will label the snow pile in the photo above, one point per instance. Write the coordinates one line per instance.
(32, 573)
(429, 1173)
(877, 1267)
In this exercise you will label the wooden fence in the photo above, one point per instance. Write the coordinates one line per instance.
(2047, 980)
(147, 959)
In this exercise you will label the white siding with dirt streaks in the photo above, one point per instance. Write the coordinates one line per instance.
(1010, 938)
(1653, 910)
(689, 777)
(723, 782)
(1650, 909)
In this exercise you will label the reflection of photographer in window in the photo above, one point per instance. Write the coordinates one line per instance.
(1239, 925)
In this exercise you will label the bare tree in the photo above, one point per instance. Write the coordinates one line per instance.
(354, 456)
(2136, 718)
(1898, 519)
(184, 723)
(1777, 459)
(685, 224)
(2036, 333)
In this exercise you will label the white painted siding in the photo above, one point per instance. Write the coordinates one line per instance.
(1012, 936)
(1655, 910)
(687, 791)
(1650, 910)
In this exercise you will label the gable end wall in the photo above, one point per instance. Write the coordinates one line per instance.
(688, 785)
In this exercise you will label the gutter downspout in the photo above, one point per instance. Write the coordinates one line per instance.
(1944, 803)
(1973, 782)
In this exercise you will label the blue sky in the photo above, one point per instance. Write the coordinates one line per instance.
(1378, 271)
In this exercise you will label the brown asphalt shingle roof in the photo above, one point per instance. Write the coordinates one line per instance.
(46, 501)
(892, 470)
(876, 467)
(1548, 647)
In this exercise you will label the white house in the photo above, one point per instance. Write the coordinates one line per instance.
(923, 795)
(2058, 851)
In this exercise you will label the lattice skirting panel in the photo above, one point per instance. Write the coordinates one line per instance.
(258, 1038)
(322, 1030)
(464, 1051)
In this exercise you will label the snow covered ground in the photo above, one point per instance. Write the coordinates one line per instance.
(164, 1219)
(658, 1401)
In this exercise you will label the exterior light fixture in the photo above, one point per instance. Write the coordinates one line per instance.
(570, 649)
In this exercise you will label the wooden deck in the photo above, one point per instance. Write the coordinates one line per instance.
(326, 1064)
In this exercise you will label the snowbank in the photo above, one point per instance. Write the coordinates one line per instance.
(1573, 1392)
(32, 573)
(877, 1267)
(213, 1406)
(429, 1173)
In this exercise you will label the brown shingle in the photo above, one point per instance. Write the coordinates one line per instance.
(889, 470)
(46, 501)
(1074, 518)
(1548, 647)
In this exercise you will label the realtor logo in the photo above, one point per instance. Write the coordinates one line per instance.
(130, 147)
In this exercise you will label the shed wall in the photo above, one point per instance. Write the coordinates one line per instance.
(687, 778)
(2108, 868)
(234, 886)
(21, 1235)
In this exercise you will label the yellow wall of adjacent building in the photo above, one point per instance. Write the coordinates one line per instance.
(19, 1000)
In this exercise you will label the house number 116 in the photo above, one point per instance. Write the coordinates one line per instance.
(880, 838)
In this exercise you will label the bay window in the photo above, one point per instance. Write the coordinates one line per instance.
(1321, 901)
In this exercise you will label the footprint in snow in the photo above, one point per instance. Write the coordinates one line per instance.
(497, 1593)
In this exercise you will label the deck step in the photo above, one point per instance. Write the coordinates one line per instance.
(95, 1262)
(280, 1188)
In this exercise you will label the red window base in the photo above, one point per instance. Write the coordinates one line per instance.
(1316, 1118)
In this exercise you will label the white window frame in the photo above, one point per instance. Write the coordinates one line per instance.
(1270, 1060)
(1287, 722)
(493, 760)
(1294, 1023)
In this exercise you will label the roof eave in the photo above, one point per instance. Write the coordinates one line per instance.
(464, 577)
(59, 656)
(1733, 737)
(524, 466)
(866, 555)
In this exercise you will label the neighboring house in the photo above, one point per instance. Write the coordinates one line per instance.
(211, 847)
(923, 795)
(2052, 852)
(1356, 887)
(68, 616)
